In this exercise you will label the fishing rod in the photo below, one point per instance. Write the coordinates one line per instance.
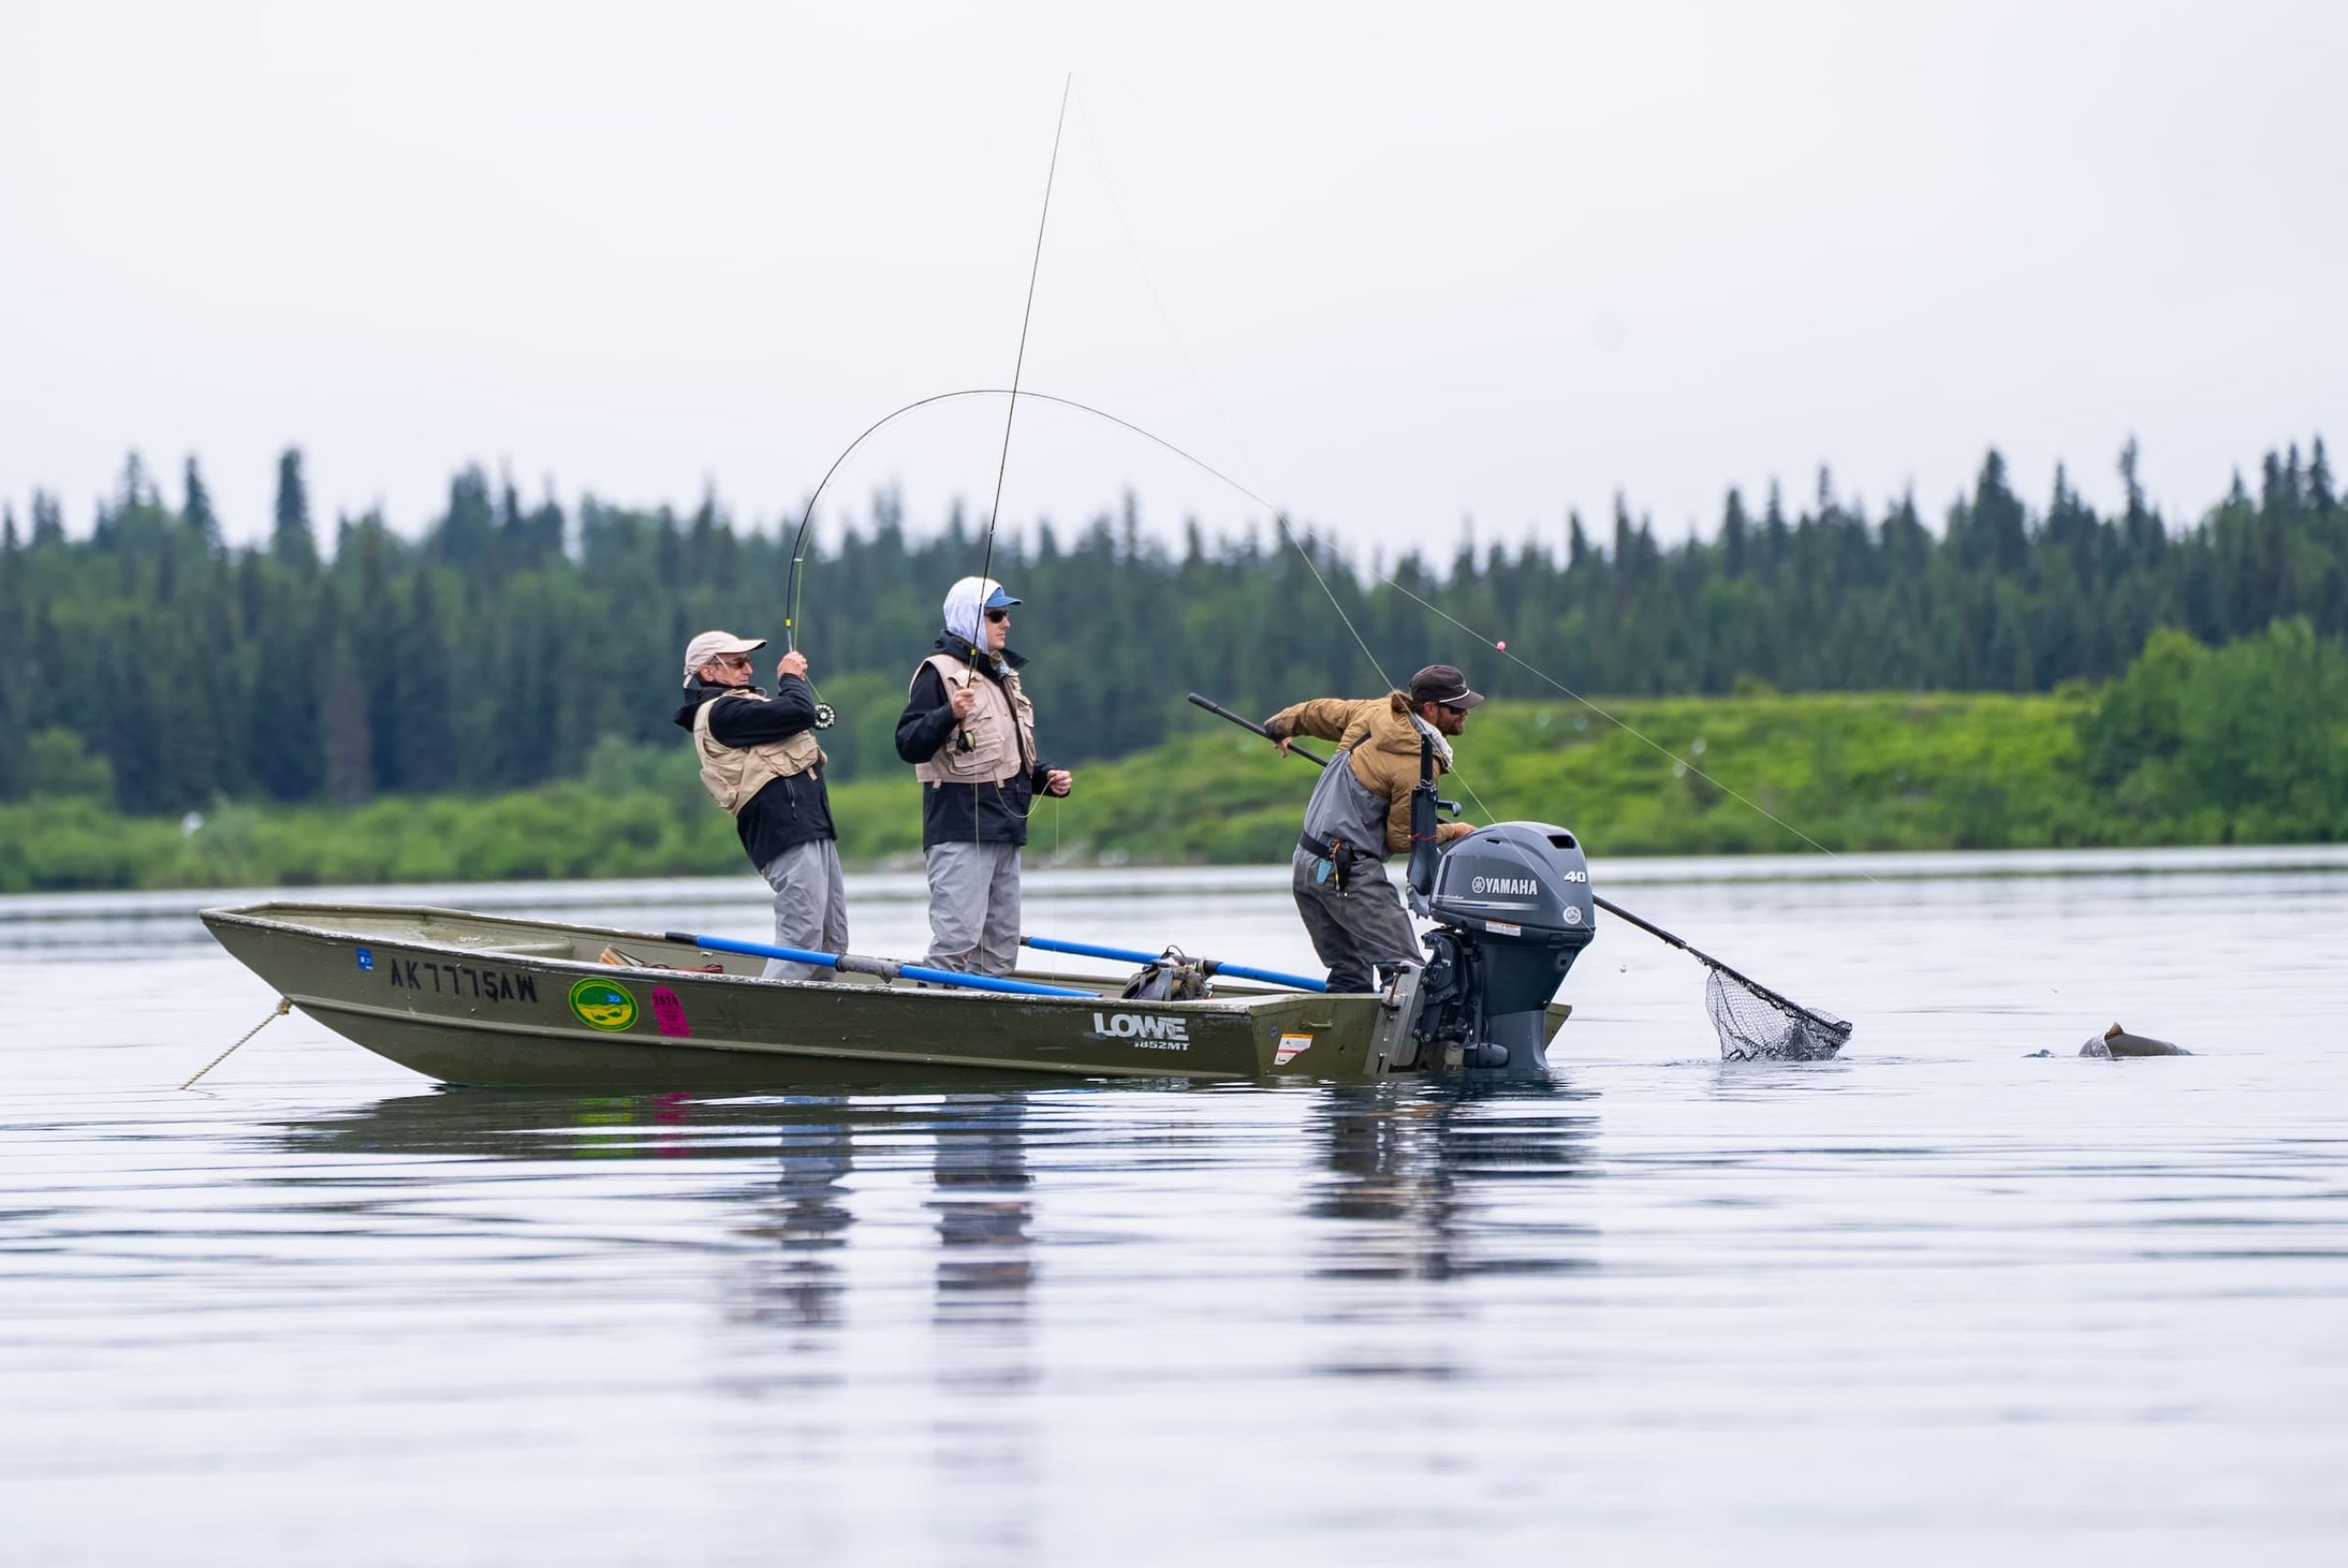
(824, 715)
(1835, 1027)
(1019, 364)
(795, 579)
(886, 968)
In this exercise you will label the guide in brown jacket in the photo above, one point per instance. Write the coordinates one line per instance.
(1360, 813)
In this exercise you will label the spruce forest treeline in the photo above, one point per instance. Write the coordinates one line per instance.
(146, 662)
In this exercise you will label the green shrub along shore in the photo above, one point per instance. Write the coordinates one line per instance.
(2247, 743)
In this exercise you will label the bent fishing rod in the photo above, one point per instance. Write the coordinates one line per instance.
(1833, 1026)
(1002, 464)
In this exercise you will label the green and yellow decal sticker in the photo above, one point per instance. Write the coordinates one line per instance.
(603, 1005)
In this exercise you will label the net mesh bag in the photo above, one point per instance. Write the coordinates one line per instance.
(1757, 1028)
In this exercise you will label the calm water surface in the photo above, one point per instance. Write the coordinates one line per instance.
(1939, 1301)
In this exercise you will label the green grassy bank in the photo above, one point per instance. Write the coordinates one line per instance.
(2247, 744)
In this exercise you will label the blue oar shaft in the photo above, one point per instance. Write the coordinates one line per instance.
(875, 965)
(1212, 965)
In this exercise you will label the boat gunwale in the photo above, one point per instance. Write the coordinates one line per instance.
(1239, 1001)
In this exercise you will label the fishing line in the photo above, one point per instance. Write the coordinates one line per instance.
(1030, 394)
(1149, 282)
(1214, 407)
(1620, 723)
(1279, 521)
(795, 586)
(1206, 393)
(1278, 516)
(1765, 1038)
(796, 583)
(1020, 363)
(982, 641)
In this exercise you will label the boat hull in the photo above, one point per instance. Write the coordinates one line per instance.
(485, 1000)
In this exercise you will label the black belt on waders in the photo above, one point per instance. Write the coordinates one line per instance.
(1336, 853)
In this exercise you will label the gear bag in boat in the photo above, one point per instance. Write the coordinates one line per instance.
(1172, 977)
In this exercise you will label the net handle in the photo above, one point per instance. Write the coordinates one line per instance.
(1833, 1026)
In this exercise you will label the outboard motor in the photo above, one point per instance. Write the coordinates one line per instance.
(1512, 906)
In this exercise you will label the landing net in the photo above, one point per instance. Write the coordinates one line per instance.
(1754, 1027)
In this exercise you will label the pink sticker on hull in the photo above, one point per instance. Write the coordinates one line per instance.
(669, 1013)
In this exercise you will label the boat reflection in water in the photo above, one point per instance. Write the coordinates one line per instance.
(981, 1198)
(877, 1256)
(1422, 1179)
(808, 1217)
(985, 1435)
(1429, 1187)
(977, 1173)
(1417, 1173)
(1416, 1178)
(938, 1350)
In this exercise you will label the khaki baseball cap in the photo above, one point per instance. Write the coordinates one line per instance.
(712, 644)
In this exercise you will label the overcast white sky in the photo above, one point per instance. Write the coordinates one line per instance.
(1389, 264)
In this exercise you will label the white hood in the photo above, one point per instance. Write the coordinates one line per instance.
(962, 601)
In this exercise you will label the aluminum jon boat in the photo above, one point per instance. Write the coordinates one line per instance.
(484, 1000)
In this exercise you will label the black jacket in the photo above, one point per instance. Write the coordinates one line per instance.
(962, 814)
(789, 812)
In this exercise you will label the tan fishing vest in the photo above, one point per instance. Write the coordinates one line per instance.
(1001, 727)
(735, 774)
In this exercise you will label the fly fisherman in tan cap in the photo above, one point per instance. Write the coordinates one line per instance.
(760, 759)
(1360, 813)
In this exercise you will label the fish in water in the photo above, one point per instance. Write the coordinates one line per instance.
(2117, 1042)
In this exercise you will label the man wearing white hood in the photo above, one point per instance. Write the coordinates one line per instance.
(970, 731)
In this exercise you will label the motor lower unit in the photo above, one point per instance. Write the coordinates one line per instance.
(1512, 910)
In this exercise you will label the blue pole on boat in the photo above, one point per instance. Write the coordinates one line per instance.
(878, 966)
(1212, 965)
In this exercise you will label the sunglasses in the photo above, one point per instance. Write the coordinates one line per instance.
(997, 617)
(732, 661)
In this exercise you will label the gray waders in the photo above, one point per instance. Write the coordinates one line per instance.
(973, 907)
(809, 906)
(1357, 929)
